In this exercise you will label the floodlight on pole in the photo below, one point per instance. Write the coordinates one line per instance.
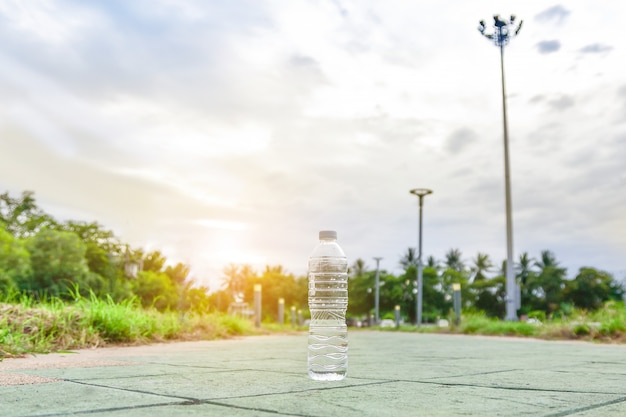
(420, 193)
(503, 31)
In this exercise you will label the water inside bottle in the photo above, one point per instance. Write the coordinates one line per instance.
(328, 333)
(328, 350)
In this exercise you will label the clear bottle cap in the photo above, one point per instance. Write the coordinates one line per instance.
(328, 234)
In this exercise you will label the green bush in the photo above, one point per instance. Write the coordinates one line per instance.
(581, 329)
(537, 314)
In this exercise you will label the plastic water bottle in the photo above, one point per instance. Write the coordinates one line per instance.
(328, 301)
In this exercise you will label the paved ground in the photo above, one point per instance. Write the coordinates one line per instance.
(390, 374)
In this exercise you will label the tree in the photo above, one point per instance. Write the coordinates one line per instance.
(547, 285)
(454, 260)
(21, 216)
(154, 261)
(361, 292)
(524, 268)
(198, 299)
(591, 288)
(406, 293)
(179, 273)
(392, 293)
(235, 278)
(431, 262)
(275, 283)
(454, 272)
(486, 292)
(408, 259)
(358, 268)
(104, 255)
(155, 289)
(525, 275)
(58, 263)
(435, 302)
(14, 262)
(490, 294)
(451, 276)
(220, 300)
(482, 264)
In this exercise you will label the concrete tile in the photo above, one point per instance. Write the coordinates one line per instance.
(63, 398)
(413, 399)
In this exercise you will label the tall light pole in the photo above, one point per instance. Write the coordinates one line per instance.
(503, 31)
(420, 193)
(377, 292)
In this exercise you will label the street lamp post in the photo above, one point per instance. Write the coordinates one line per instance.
(377, 291)
(503, 31)
(420, 193)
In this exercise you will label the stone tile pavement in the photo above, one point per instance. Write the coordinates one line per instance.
(390, 374)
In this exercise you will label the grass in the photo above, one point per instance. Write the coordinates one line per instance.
(605, 325)
(479, 324)
(30, 326)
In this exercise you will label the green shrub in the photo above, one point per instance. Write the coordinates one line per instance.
(581, 329)
(537, 314)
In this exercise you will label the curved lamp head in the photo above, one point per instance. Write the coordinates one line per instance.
(421, 192)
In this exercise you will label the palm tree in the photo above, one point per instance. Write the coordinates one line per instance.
(358, 268)
(431, 262)
(275, 269)
(524, 268)
(453, 260)
(233, 280)
(526, 277)
(547, 260)
(409, 258)
(482, 264)
(550, 281)
(237, 278)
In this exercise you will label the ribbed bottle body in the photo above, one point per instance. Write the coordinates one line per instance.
(328, 301)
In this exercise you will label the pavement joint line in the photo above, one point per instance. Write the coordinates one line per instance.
(107, 410)
(75, 381)
(139, 376)
(512, 388)
(184, 365)
(78, 380)
(217, 371)
(217, 368)
(556, 371)
(588, 408)
(304, 390)
(196, 400)
(474, 374)
(240, 407)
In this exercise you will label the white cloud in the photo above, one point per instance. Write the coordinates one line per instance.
(234, 132)
(46, 21)
(595, 48)
(548, 47)
(556, 13)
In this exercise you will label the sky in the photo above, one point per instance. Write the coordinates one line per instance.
(223, 132)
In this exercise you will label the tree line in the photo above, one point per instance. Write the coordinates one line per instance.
(545, 290)
(43, 257)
